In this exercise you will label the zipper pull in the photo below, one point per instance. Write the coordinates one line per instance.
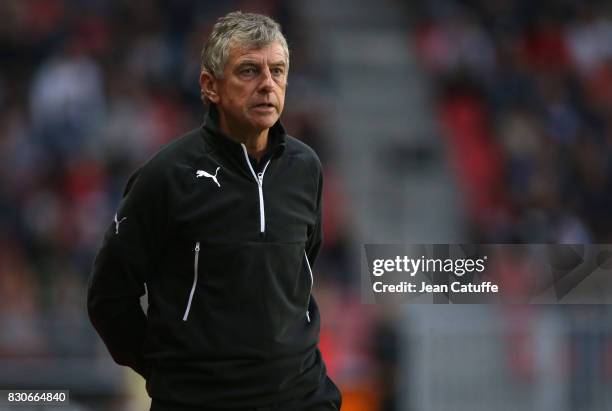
(260, 177)
(197, 247)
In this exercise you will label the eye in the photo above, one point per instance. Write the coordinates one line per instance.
(278, 71)
(248, 71)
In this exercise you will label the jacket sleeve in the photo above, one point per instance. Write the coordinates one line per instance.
(315, 237)
(120, 269)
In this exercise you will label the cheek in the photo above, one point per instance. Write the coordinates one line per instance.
(280, 93)
(237, 94)
(281, 100)
(239, 103)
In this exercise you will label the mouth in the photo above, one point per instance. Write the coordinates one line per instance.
(264, 106)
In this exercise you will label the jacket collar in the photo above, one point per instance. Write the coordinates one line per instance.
(213, 135)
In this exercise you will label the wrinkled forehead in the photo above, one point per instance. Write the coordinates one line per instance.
(272, 53)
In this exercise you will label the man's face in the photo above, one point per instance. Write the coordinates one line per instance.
(251, 94)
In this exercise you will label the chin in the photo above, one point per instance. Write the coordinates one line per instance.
(263, 124)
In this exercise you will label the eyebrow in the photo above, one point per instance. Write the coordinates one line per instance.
(256, 63)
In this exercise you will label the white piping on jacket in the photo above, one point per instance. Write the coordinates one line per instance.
(311, 284)
(259, 179)
(195, 279)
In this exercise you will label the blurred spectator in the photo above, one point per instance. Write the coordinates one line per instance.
(67, 102)
(20, 325)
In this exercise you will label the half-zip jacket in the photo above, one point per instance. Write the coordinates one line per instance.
(225, 249)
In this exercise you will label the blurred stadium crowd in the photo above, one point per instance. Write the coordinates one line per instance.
(89, 89)
(525, 100)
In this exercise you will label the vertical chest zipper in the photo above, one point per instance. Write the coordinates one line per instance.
(259, 180)
(195, 279)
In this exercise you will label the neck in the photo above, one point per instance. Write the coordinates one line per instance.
(256, 142)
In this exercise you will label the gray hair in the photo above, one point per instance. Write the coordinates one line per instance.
(248, 30)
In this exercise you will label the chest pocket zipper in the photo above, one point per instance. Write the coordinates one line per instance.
(195, 279)
(311, 284)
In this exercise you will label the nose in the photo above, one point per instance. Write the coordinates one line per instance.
(267, 83)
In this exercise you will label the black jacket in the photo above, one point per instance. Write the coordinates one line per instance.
(227, 266)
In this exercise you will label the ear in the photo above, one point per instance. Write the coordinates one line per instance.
(209, 87)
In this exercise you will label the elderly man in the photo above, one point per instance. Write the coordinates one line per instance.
(222, 225)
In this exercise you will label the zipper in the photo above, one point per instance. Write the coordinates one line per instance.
(311, 284)
(259, 180)
(195, 279)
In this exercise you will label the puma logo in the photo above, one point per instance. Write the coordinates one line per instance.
(202, 173)
(117, 223)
